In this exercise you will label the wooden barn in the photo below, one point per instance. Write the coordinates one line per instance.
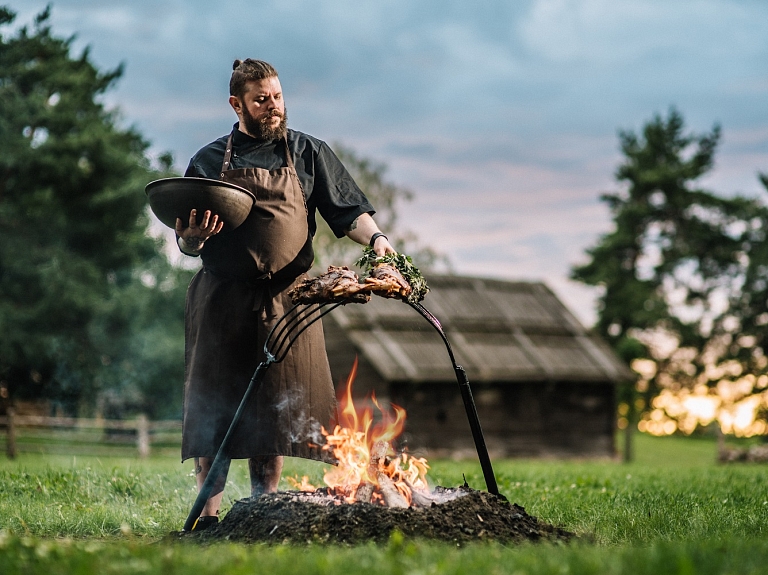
(543, 386)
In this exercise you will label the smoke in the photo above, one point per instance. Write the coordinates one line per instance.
(303, 428)
(307, 430)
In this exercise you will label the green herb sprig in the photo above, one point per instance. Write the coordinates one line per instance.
(403, 264)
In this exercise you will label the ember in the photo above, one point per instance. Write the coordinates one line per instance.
(368, 469)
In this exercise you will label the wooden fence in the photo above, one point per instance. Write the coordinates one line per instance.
(80, 436)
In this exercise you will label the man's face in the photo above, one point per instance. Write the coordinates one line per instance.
(261, 110)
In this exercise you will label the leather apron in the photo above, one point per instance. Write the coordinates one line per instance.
(232, 303)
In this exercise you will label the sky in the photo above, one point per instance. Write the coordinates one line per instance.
(501, 117)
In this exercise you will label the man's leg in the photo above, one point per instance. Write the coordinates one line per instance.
(265, 473)
(202, 467)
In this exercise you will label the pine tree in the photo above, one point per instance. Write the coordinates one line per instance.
(684, 273)
(73, 221)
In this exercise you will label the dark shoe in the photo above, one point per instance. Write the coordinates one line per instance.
(204, 523)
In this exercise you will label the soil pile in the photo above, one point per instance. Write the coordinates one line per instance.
(295, 517)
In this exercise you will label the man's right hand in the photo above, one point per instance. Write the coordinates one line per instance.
(194, 236)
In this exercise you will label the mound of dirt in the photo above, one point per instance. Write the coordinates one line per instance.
(294, 517)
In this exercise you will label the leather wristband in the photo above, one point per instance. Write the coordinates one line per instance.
(375, 237)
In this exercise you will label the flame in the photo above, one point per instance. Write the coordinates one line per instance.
(353, 440)
(303, 485)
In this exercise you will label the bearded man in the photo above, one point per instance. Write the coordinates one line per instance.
(241, 290)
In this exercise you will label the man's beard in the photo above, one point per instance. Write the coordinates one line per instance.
(262, 129)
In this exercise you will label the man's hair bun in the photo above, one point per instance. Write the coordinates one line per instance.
(248, 70)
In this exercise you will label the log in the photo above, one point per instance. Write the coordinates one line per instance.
(364, 492)
(392, 497)
(366, 488)
(420, 498)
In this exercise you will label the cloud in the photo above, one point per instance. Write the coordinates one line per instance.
(604, 32)
(500, 116)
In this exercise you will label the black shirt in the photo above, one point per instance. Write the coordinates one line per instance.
(328, 187)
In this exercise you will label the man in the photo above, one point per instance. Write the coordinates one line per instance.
(242, 288)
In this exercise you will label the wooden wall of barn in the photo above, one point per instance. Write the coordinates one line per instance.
(532, 419)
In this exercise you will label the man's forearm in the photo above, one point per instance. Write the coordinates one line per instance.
(363, 229)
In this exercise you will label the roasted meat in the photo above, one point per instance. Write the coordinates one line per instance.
(384, 280)
(338, 284)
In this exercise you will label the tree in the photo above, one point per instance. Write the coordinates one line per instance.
(683, 274)
(78, 273)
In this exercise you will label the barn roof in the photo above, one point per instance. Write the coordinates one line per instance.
(500, 331)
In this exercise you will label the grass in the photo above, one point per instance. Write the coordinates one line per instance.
(674, 510)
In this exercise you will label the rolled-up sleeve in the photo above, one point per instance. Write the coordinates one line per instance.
(338, 198)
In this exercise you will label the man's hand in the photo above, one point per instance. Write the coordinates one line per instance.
(194, 236)
(382, 247)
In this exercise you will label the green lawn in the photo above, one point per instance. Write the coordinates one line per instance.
(674, 510)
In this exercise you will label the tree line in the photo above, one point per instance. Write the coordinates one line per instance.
(87, 301)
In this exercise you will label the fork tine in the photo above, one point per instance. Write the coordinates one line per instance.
(281, 331)
(283, 324)
(280, 340)
(304, 327)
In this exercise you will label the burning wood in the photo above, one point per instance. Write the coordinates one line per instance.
(392, 497)
(367, 485)
(368, 469)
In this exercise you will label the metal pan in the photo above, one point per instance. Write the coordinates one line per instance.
(172, 198)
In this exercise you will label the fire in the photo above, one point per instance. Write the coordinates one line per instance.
(368, 468)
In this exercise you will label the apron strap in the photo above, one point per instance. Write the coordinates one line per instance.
(288, 155)
(228, 154)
